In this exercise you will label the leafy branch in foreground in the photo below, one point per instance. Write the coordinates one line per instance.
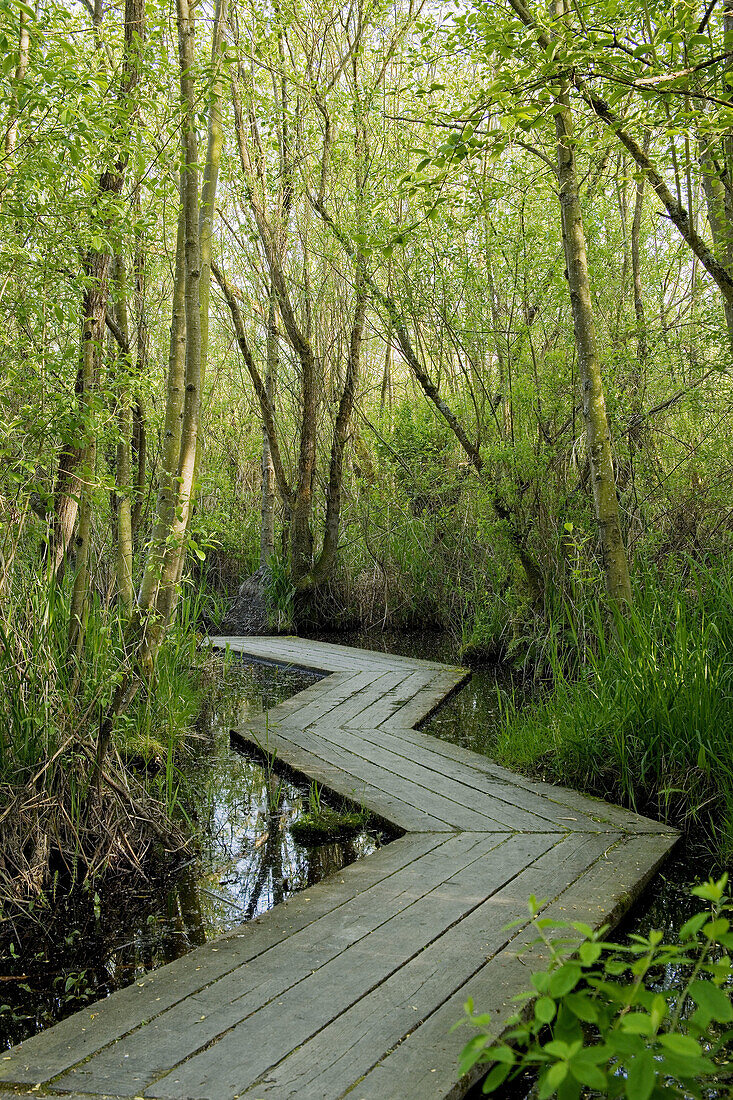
(599, 1023)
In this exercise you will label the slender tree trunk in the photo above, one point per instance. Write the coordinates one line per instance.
(327, 556)
(598, 434)
(385, 393)
(177, 528)
(718, 203)
(267, 521)
(638, 380)
(139, 419)
(166, 502)
(19, 75)
(123, 465)
(210, 180)
(301, 535)
(76, 465)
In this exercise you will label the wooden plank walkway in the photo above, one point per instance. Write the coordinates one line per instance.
(352, 987)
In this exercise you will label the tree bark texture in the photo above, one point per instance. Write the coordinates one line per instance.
(94, 309)
(267, 515)
(598, 435)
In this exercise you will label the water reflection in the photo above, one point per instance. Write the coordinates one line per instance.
(246, 862)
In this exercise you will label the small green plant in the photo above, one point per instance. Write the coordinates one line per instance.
(599, 1023)
(315, 805)
(279, 593)
(321, 823)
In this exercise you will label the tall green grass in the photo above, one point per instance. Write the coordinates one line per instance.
(53, 817)
(644, 715)
(48, 696)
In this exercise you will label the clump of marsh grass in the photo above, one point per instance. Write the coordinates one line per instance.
(64, 817)
(645, 717)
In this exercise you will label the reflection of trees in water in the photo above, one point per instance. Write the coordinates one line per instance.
(247, 863)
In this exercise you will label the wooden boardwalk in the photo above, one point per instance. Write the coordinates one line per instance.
(351, 988)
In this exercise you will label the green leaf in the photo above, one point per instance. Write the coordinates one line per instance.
(25, 8)
(544, 1010)
(692, 926)
(473, 1052)
(551, 1079)
(564, 979)
(496, 1077)
(638, 1023)
(641, 1076)
(711, 891)
(624, 1042)
(541, 981)
(504, 1054)
(683, 1045)
(558, 1049)
(589, 953)
(582, 1006)
(659, 1010)
(715, 928)
(714, 1000)
(584, 1071)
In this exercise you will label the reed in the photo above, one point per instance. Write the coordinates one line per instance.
(645, 714)
(56, 822)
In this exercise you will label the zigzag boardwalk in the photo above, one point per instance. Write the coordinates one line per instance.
(352, 987)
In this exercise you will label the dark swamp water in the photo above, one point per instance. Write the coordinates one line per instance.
(248, 860)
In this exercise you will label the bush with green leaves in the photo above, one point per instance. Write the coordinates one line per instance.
(600, 1022)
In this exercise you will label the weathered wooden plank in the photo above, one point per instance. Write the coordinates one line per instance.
(34, 1095)
(336, 774)
(515, 805)
(428, 1057)
(270, 981)
(389, 702)
(357, 654)
(424, 702)
(366, 684)
(345, 1050)
(247, 1050)
(485, 813)
(279, 652)
(596, 809)
(49, 1053)
(362, 773)
(352, 704)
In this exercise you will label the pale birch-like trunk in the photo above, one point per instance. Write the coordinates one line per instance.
(267, 517)
(94, 308)
(175, 389)
(18, 79)
(638, 380)
(177, 520)
(598, 435)
(188, 344)
(123, 464)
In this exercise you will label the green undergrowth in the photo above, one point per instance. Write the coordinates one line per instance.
(645, 714)
(606, 1023)
(63, 820)
(322, 823)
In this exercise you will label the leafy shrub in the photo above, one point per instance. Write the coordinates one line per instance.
(597, 1021)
